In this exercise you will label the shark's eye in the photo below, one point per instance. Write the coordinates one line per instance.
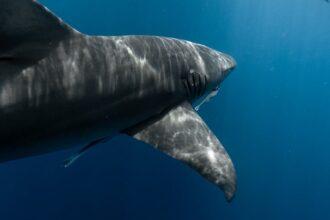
(195, 84)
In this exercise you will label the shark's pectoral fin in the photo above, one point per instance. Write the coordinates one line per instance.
(68, 162)
(182, 134)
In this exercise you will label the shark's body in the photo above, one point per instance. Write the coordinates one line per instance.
(61, 89)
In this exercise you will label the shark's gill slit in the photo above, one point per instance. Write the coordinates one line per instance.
(201, 85)
(195, 84)
(194, 76)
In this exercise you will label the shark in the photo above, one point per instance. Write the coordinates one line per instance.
(61, 89)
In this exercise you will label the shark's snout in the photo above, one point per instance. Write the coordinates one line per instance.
(229, 63)
(224, 64)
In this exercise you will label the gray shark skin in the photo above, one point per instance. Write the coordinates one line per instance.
(61, 89)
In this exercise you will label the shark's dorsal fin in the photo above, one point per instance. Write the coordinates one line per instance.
(182, 134)
(28, 30)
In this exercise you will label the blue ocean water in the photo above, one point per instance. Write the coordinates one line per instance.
(272, 115)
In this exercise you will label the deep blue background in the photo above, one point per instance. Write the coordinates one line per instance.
(272, 115)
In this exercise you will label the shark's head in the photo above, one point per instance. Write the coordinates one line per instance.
(220, 65)
(204, 79)
(225, 64)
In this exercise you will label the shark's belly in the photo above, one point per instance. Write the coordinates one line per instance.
(27, 131)
(38, 115)
(32, 131)
(33, 125)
